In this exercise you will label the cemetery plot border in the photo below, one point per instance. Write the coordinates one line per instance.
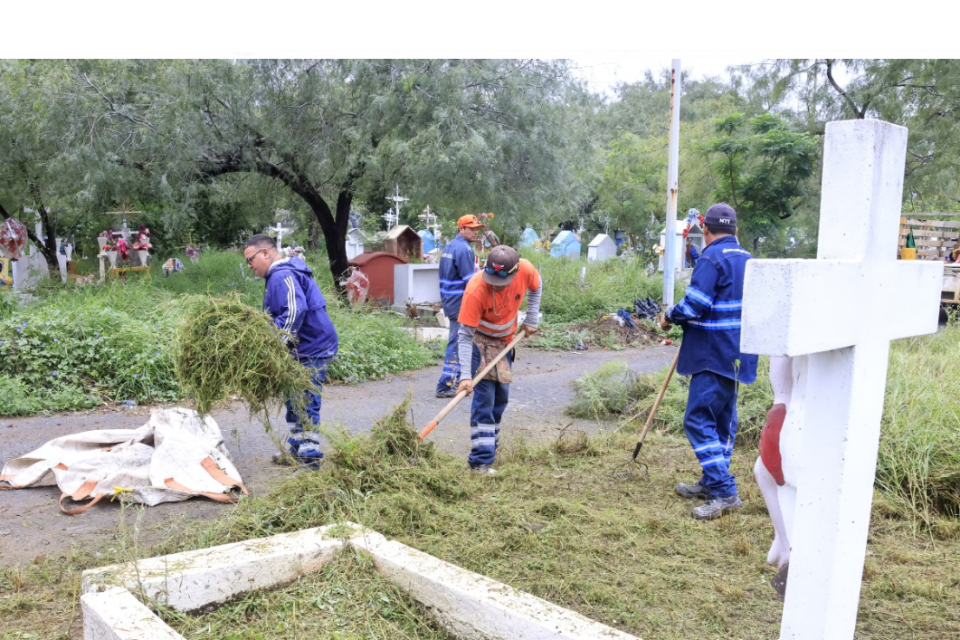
(468, 605)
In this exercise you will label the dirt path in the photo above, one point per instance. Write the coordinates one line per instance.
(31, 524)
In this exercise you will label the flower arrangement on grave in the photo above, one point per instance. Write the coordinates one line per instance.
(694, 218)
(123, 249)
(108, 246)
(192, 252)
(13, 238)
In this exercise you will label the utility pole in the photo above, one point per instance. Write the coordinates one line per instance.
(673, 160)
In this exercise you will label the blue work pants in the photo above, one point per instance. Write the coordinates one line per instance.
(451, 361)
(304, 441)
(489, 402)
(711, 427)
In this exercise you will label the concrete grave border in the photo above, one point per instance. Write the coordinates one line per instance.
(468, 605)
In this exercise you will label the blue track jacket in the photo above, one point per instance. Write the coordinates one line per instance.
(457, 266)
(293, 300)
(710, 314)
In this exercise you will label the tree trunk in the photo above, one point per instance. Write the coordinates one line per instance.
(313, 235)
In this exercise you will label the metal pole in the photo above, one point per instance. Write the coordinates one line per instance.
(673, 160)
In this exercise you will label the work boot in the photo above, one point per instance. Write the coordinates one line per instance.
(484, 468)
(447, 393)
(692, 491)
(283, 460)
(717, 507)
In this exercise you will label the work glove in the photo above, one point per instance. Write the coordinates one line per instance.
(465, 385)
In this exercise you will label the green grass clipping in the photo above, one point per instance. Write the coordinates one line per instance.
(227, 348)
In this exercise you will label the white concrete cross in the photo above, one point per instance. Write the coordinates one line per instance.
(842, 309)
(279, 230)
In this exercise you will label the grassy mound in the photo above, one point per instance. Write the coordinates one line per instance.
(226, 347)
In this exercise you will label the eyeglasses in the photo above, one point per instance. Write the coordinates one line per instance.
(501, 273)
(250, 259)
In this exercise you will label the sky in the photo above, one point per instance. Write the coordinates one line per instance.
(610, 41)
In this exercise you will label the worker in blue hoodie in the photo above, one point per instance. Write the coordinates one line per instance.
(710, 313)
(457, 266)
(299, 310)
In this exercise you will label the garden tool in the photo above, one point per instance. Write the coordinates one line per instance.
(480, 375)
(626, 471)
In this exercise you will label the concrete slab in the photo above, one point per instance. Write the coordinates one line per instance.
(115, 614)
(468, 605)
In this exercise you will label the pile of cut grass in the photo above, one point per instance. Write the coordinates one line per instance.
(227, 348)
(345, 599)
(554, 522)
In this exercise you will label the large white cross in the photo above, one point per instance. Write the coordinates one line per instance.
(843, 309)
(279, 230)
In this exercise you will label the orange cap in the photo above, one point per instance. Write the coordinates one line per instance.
(469, 220)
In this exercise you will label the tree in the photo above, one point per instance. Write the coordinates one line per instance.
(486, 133)
(762, 170)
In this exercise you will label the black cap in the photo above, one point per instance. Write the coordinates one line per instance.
(721, 215)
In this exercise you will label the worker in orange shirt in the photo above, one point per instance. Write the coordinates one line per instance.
(488, 321)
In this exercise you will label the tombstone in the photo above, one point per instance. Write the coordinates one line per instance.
(529, 237)
(355, 241)
(416, 283)
(403, 241)
(790, 308)
(601, 248)
(565, 245)
(679, 243)
(30, 270)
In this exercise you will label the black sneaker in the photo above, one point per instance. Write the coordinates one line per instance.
(447, 393)
(691, 491)
(717, 507)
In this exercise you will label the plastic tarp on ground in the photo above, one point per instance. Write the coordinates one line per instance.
(528, 237)
(174, 457)
(565, 245)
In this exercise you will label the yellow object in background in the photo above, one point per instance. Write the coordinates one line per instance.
(6, 275)
(908, 253)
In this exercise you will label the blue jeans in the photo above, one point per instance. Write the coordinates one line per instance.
(451, 361)
(305, 443)
(711, 427)
(489, 402)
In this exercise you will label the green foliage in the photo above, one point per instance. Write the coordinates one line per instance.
(609, 285)
(605, 392)
(77, 347)
(763, 174)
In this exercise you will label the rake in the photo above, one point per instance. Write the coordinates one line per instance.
(463, 394)
(630, 469)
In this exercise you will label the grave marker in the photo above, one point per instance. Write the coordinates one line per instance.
(841, 310)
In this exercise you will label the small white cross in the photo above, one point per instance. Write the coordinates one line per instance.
(841, 310)
(279, 230)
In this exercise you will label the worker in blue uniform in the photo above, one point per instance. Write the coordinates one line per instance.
(457, 266)
(709, 314)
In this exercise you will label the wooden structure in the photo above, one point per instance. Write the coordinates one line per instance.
(403, 241)
(935, 240)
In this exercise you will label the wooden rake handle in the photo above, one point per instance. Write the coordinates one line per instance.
(463, 394)
(656, 405)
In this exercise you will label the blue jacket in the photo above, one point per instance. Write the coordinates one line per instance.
(295, 303)
(710, 314)
(457, 266)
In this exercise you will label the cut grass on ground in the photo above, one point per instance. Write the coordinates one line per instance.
(555, 522)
